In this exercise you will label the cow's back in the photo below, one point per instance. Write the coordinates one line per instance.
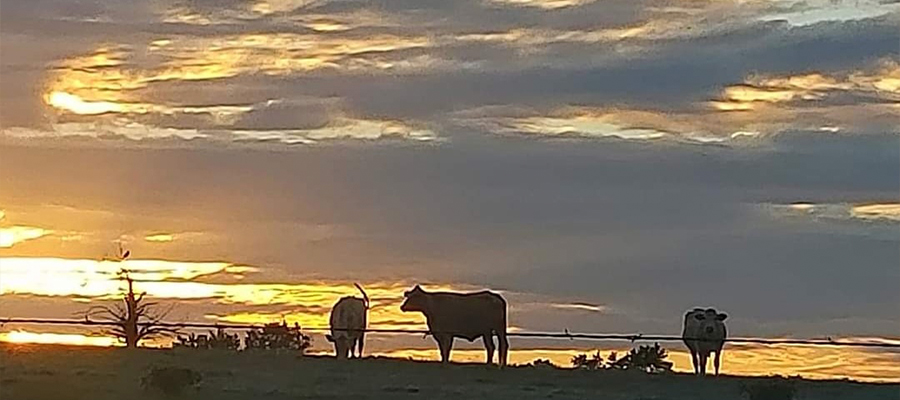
(348, 318)
(467, 314)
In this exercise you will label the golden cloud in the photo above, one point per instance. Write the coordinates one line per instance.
(160, 237)
(543, 4)
(872, 212)
(342, 128)
(885, 211)
(882, 82)
(10, 236)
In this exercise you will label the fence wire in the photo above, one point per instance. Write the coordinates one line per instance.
(634, 337)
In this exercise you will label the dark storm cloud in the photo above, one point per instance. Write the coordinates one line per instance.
(649, 229)
(649, 232)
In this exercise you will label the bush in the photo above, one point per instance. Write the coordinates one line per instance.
(218, 339)
(277, 336)
(650, 359)
(779, 389)
(170, 380)
(541, 363)
(582, 361)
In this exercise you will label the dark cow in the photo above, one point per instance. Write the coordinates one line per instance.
(704, 333)
(465, 315)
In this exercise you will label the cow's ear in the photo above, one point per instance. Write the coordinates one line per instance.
(699, 317)
(721, 316)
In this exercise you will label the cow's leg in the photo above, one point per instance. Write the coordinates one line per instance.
(503, 344)
(695, 360)
(716, 361)
(340, 347)
(445, 343)
(359, 344)
(703, 358)
(488, 339)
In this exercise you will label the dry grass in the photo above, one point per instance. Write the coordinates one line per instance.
(34, 372)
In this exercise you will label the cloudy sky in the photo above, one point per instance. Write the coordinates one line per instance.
(607, 164)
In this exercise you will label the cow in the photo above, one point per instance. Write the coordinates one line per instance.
(348, 325)
(461, 315)
(704, 333)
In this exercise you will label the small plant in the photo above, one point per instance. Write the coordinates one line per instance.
(277, 336)
(650, 359)
(779, 389)
(592, 363)
(542, 363)
(171, 381)
(218, 340)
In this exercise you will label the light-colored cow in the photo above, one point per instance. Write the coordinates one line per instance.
(464, 315)
(704, 333)
(348, 325)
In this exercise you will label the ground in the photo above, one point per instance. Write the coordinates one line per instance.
(35, 372)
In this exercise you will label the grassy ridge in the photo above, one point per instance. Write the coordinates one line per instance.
(36, 372)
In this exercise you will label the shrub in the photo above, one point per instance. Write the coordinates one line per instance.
(779, 389)
(542, 363)
(582, 361)
(170, 380)
(650, 359)
(218, 339)
(277, 336)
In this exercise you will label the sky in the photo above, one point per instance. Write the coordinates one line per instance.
(606, 165)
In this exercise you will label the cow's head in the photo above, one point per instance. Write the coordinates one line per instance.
(711, 323)
(415, 300)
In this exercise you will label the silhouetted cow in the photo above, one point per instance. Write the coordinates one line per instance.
(704, 333)
(465, 315)
(348, 325)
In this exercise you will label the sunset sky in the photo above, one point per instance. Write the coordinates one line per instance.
(606, 165)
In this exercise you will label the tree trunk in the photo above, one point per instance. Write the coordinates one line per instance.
(131, 326)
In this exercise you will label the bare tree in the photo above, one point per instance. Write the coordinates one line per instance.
(133, 320)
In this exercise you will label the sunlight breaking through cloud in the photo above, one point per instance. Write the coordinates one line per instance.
(881, 82)
(100, 279)
(873, 212)
(10, 236)
(341, 128)
(543, 4)
(160, 238)
(73, 339)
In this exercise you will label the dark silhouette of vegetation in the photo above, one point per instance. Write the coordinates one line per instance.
(650, 359)
(171, 381)
(215, 340)
(542, 363)
(592, 363)
(133, 319)
(780, 389)
(275, 336)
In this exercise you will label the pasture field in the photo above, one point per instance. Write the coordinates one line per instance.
(42, 372)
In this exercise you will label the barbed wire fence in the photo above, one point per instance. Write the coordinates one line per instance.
(565, 335)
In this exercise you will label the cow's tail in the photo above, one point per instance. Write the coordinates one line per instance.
(365, 296)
